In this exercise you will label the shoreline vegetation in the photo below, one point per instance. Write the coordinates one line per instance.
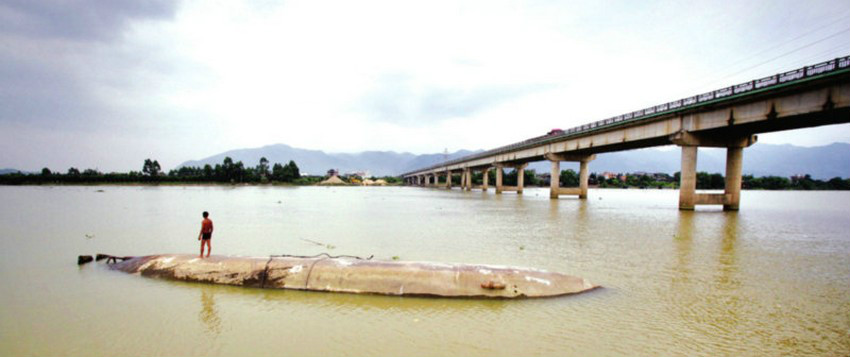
(237, 173)
(226, 173)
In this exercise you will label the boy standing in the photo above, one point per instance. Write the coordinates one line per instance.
(206, 234)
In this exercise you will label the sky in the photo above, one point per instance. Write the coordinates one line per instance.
(106, 84)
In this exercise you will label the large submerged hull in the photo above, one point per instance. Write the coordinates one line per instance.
(349, 275)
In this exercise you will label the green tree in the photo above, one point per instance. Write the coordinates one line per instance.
(46, 172)
(509, 178)
(290, 172)
(529, 178)
(775, 183)
(73, 171)
(716, 181)
(569, 178)
(218, 173)
(151, 168)
(227, 168)
(263, 168)
(277, 172)
(238, 172)
(836, 183)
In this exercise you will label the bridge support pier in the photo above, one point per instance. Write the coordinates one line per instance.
(731, 197)
(734, 167)
(486, 182)
(468, 179)
(555, 176)
(520, 178)
(448, 179)
(688, 178)
(499, 173)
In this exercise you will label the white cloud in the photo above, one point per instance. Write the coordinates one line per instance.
(405, 76)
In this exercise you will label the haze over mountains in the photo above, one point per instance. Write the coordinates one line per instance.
(821, 162)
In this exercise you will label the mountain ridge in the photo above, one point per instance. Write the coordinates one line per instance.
(822, 162)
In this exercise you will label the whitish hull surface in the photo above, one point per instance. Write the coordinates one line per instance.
(350, 275)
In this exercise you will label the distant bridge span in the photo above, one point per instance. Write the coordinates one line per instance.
(728, 117)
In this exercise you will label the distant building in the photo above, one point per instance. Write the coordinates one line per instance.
(544, 178)
(608, 175)
(333, 172)
(662, 177)
(358, 174)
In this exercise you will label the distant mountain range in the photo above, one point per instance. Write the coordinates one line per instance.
(316, 162)
(821, 162)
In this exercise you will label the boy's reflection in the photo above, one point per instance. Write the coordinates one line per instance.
(208, 314)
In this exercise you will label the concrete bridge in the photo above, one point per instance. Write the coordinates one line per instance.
(729, 118)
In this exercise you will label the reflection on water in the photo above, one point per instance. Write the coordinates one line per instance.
(683, 241)
(771, 279)
(208, 314)
(716, 308)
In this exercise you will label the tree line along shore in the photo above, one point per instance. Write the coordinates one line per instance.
(227, 172)
(230, 172)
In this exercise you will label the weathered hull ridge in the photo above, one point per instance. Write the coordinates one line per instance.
(350, 275)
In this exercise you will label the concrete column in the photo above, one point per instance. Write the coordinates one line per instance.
(555, 179)
(582, 179)
(520, 178)
(469, 179)
(448, 179)
(499, 174)
(688, 178)
(462, 179)
(486, 182)
(734, 160)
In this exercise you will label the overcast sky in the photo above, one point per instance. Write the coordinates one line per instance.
(106, 84)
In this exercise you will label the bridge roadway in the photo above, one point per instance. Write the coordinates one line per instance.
(728, 118)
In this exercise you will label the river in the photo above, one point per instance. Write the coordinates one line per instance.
(771, 279)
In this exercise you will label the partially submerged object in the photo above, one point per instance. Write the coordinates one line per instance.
(356, 275)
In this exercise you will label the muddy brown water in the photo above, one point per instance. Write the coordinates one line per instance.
(772, 279)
